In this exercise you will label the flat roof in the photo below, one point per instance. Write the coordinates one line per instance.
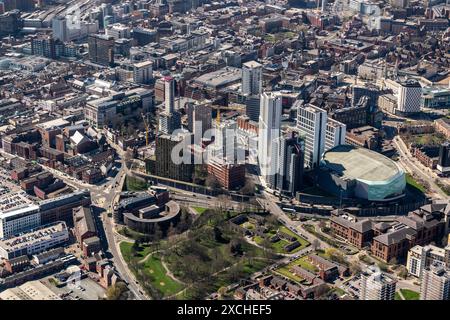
(60, 122)
(38, 235)
(360, 163)
(30, 208)
(220, 77)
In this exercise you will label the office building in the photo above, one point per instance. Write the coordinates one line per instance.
(225, 141)
(169, 122)
(199, 118)
(102, 111)
(252, 107)
(59, 29)
(269, 133)
(118, 31)
(376, 285)
(291, 160)
(143, 72)
(251, 78)
(421, 257)
(169, 94)
(101, 49)
(18, 220)
(144, 36)
(320, 132)
(334, 134)
(409, 98)
(435, 283)
(60, 208)
(436, 97)
(443, 164)
(36, 241)
(311, 122)
(177, 168)
(229, 175)
(46, 46)
(30, 290)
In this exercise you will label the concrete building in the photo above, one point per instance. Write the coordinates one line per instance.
(59, 28)
(376, 285)
(143, 72)
(118, 31)
(409, 97)
(334, 134)
(36, 241)
(165, 165)
(31, 290)
(18, 220)
(311, 122)
(443, 164)
(269, 133)
(101, 49)
(251, 78)
(199, 118)
(169, 94)
(435, 283)
(291, 162)
(169, 122)
(252, 107)
(421, 257)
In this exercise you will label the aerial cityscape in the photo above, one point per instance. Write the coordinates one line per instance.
(224, 150)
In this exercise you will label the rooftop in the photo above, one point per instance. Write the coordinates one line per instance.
(361, 164)
(220, 77)
(38, 235)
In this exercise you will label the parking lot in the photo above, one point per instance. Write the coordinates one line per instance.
(87, 289)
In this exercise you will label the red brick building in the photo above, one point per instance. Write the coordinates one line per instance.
(230, 176)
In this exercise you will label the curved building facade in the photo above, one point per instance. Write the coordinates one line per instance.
(362, 173)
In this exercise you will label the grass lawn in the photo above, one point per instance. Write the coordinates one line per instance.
(397, 296)
(304, 243)
(135, 184)
(160, 280)
(278, 246)
(410, 295)
(125, 249)
(339, 291)
(248, 225)
(412, 182)
(285, 272)
(305, 264)
(127, 232)
(200, 210)
(302, 262)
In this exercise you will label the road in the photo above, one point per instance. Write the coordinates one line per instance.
(269, 203)
(408, 162)
(107, 199)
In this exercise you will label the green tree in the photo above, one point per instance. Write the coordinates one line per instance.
(116, 291)
(403, 272)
